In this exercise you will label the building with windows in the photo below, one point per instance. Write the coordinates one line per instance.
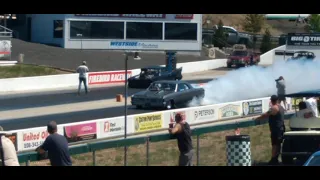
(181, 32)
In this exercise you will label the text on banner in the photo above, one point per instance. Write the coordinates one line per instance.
(33, 138)
(148, 122)
(107, 77)
(229, 111)
(111, 127)
(252, 107)
(205, 114)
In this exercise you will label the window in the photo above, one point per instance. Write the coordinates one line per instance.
(182, 87)
(57, 29)
(181, 31)
(96, 30)
(144, 30)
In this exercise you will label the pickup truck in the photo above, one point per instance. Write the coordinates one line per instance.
(241, 58)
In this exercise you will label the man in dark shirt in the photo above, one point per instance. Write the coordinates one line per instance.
(57, 147)
(277, 127)
(182, 132)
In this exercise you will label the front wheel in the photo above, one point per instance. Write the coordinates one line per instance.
(170, 105)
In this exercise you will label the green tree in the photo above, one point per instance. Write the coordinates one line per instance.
(253, 23)
(220, 36)
(313, 23)
(266, 44)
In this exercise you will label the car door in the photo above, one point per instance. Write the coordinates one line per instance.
(183, 95)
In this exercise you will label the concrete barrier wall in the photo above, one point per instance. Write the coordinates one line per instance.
(29, 139)
(71, 80)
(269, 57)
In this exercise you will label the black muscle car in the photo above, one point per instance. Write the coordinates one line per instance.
(166, 95)
(302, 56)
(152, 74)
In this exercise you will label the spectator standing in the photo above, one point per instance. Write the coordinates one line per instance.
(8, 153)
(182, 132)
(82, 70)
(281, 86)
(277, 127)
(57, 147)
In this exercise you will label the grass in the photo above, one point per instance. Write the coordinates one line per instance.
(212, 151)
(21, 70)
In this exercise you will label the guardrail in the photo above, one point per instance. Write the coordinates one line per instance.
(27, 157)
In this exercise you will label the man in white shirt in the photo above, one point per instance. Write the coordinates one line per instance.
(312, 106)
(82, 70)
(304, 112)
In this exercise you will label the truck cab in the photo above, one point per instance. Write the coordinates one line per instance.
(241, 57)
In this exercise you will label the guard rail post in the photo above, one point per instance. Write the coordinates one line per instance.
(94, 158)
(238, 150)
(28, 161)
(198, 147)
(147, 150)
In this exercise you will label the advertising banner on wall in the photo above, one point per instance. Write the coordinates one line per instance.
(148, 122)
(80, 132)
(33, 138)
(111, 127)
(252, 107)
(229, 111)
(303, 39)
(205, 114)
(107, 77)
(133, 45)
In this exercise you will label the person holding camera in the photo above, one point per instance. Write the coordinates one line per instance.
(82, 70)
(182, 132)
(281, 87)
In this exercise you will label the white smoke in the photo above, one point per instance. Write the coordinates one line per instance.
(256, 82)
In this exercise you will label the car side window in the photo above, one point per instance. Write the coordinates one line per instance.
(182, 87)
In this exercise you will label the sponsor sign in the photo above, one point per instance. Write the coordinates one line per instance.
(204, 114)
(31, 139)
(252, 107)
(184, 16)
(81, 132)
(303, 39)
(13, 138)
(113, 127)
(229, 111)
(133, 45)
(147, 16)
(295, 102)
(107, 77)
(148, 122)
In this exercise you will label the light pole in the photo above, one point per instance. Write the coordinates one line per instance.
(80, 35)
(135, 57)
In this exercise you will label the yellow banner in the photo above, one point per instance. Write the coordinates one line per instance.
(148, 122)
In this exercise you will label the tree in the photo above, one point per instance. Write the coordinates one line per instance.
(313, 23)
(220, 36)
(253, 23)
(266, 44)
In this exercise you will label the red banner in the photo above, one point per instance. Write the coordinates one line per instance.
(184, 16)
(107, 77)
(147, 16)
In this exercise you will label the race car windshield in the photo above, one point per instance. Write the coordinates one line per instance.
(297, 55)
(239, 53)
(149, 72)
(162, 86)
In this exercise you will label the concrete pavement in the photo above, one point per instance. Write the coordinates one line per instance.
(64, 106)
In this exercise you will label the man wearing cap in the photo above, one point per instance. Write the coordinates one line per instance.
(281, 86)
(57, 147)
(277, 127)
(8, 153)
(82, 70)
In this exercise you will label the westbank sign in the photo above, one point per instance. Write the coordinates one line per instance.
(133, 45)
